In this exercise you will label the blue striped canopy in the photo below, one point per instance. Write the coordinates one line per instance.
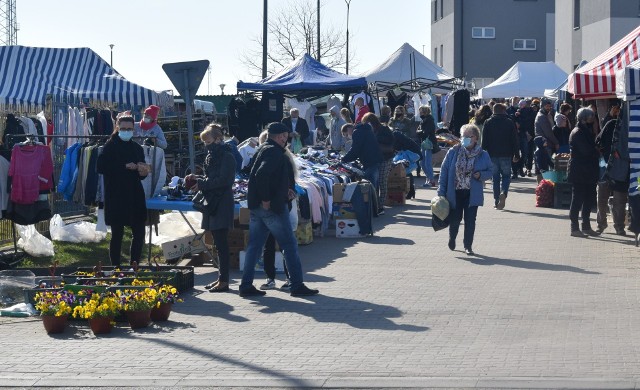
(29, 74)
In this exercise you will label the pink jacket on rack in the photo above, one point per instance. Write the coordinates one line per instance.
(31, 171)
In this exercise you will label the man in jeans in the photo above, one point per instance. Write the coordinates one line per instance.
(269, 195)
(500, 140)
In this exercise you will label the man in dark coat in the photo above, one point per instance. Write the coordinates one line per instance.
(365, 148)
(271, 189)
(500, 140)
(123, 167)
(298, 127)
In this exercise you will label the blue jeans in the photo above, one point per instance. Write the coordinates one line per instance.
(427, 164)
(261, 223)
(372, 174)
(501, 175)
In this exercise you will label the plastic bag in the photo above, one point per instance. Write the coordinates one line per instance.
(12, 284)
(101, 225)
(440, 207)
(293, 215)
(76, 232)
(33, 242)
(296, 145)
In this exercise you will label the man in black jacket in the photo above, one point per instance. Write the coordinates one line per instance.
(365, 148)
(298, 127)
(270, 191)
(500, 140)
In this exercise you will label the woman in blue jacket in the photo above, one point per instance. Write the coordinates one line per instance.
(464, 170)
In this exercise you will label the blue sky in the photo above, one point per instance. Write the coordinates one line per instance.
(147, 34)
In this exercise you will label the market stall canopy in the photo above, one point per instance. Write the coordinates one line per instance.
(29, 74)
(597, 79)
(306, 77)
(525, 79)
(628, 81)
(406, 64)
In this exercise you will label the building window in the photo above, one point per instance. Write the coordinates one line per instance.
(524, 44)
(435, 55)
(435, 10)
(483, 32)
(441, 55)
(441, 11)
(576, 14)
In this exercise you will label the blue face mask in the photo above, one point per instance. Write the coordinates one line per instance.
(125, 135)
(466, 142)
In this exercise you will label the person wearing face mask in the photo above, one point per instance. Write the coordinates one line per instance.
(148, 127)
(464, 170)
(583, 172)
(217, 187)
(121, 162)
(400, 122)
(428, 144)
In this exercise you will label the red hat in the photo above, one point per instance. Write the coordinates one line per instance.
(152, 111)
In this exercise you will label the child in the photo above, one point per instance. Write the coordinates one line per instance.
(541, 158)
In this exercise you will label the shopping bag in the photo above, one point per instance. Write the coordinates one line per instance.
(296, 145)
(439, 224)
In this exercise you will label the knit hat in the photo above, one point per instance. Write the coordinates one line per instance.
(152, 111)
(277, 128)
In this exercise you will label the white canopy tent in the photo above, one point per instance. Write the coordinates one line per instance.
(525, 79)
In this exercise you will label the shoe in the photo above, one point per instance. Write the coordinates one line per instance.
(469, 251)
(303, 291)
(269, 285)
(286, 286)
(529, 174)
(590, 232)
(211, 285)
(514, 176)
(578, 233)
(521, 173)
(601, 229)
(251, 292)
(621, 232)
(411, 194)
(381, 212)
(433, 183)
(223, 287)
(452, 244)
(426, 184)
(501, 201)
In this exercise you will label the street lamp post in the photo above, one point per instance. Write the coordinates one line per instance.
(111, 47)
(348, 4)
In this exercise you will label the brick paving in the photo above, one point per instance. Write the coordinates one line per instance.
(535, 308)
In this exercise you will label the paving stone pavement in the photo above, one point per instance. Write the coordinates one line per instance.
(535, 308)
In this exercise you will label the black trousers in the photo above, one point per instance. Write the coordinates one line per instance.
(137, 241)
(269, 258)
(583, 197)
(221, 241)
(469, 213)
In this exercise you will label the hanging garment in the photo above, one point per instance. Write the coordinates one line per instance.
(394, 100)
(4, 190)
(31, 170)
(420, 99)
(158, 177)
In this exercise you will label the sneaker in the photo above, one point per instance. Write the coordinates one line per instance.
(251, 292)
(469, 251)
(286, 286)
(426, 184)
(590, 232)
(529, 174)
(578, 233)
(452, 244)
(303, 291)
(621, 232)
(501, 201)
(601, 229)
(269, 285)
(381, 212)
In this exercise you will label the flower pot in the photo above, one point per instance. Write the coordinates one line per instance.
(139, 319)
(101, 325)
(161, 313)
(54, 324)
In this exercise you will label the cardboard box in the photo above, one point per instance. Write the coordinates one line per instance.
(395, 198)
(338, 191)
(398, 171)
(244, 216)
(236, 238)
(398, 184)
(343, 211)
(182, 246)
(304, 233)
(348, 228)
(234, 257)
(260, 263)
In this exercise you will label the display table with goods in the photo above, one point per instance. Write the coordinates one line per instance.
(554, 190)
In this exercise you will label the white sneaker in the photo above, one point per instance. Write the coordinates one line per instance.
(286, 286)
(269, 285)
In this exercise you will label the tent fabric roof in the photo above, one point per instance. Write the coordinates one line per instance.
(29, 74)
(399, 67)
(305, 75)
(597, 78)
(628, 80)
(525, 79)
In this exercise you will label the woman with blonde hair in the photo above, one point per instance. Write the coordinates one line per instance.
(346, 115)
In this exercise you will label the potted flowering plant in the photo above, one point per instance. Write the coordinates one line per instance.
(54, 307)
(99, 309)
(166, 297)
(137, 304)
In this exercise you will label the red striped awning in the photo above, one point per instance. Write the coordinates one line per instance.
(597, 79)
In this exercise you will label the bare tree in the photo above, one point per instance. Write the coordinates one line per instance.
(292, 32)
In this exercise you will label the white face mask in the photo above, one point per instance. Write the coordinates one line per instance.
(147, 119)
(125, 135)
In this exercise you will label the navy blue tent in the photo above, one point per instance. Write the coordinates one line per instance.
(29, 74)
(306, 76)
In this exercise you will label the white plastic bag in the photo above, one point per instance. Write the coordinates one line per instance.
(33, 242)
(440, 207)
(101, 226)
(76, 232)
(293, 214)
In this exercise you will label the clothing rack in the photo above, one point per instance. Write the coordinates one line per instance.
(11, 142)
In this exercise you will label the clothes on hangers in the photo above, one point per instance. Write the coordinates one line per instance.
(31, 171)
(394, 100)
(420, 99)
(159, 174)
